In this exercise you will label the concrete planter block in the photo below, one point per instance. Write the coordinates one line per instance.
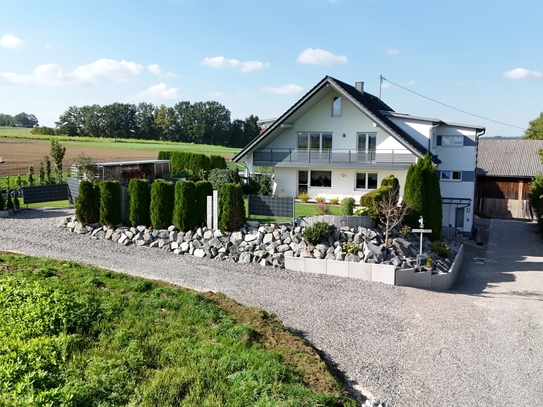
(359, 270)
(455, 266)
(440, 281)
(405, 277)
(337, 268)
(295, 263)
(423, 279)
(383, 273)
(316, 266)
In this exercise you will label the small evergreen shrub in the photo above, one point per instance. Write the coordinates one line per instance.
(87, 204)
(217, 161)
(347, 206)
(231, 207)
(203, 190)
(441, 249)
(370, 211)
(258, 184)
(220, 177)
(162, 204)
(185, 209)
(110, 203)
(316, 233)
(350, 247)
(139, 202)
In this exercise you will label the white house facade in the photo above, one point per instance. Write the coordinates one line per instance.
(338, 141)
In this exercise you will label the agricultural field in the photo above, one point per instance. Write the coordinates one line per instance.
(19, 149)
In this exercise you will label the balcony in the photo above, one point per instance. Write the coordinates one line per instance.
(330, 157)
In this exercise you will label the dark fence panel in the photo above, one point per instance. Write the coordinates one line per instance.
(45, 193)
(271, 206)
(73, 185)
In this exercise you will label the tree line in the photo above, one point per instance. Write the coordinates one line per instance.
(19, 120)
(199, 123)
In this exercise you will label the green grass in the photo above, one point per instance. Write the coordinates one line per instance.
(73, 335)
(125, 144)
(300, 209)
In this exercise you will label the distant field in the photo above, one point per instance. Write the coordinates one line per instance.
(19, 149)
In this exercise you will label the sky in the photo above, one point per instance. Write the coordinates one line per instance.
(477, 62)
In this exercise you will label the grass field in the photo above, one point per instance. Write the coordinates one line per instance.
(74, 335)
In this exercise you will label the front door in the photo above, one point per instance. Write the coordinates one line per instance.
(459, 223)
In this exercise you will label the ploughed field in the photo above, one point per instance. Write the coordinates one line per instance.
(18, 154)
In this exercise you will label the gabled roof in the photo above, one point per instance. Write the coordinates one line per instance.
(509, 158)
(371, 105)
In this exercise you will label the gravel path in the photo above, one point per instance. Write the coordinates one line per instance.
(476, 345)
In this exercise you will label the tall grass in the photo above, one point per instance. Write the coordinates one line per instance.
(73, 335)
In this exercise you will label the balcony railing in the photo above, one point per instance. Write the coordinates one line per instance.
(278, 156)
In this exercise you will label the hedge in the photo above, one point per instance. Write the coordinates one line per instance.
(203, 190)
(138, 202)
(184, 212)
(87, 204)
(231, 207)
(162, 203)
(110, 203)
(217, 162)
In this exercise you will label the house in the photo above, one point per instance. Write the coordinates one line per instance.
(505, 168)
(340, 141)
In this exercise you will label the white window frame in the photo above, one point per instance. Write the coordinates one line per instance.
(366, 187)
(452, 141)
(336, 106)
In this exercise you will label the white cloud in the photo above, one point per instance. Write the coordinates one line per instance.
(222, 62)
(410, 83)
(158, 71)
(393, 51)
(157, 93)
(522, 73)
(103, 70)
(284, 90)
(320, 57)
(11, 41)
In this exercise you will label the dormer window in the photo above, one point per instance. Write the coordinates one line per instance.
(336, 106)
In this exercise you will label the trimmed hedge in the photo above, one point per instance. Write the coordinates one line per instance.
(258, 184)
(203, 190)
(138, 202)
(371, 198)
(218, 162)
(231, 207)
(110, 203)
(162, 203)
(87, 204)
(184, 212)
(164, 155)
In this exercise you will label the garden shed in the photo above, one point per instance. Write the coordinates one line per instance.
(123, 171)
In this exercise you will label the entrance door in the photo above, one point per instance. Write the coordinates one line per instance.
(367, 144)
(459, 222)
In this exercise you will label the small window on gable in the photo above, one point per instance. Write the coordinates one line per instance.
(451, 175)
(336, 107)
(450, 141)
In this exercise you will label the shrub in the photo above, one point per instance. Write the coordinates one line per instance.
(162, 203)
(231, 207)
(303, 196)
(199, 165)
(350, 247)
(220, 177)
(323, 208)
(203, 190)
(164, 155)
(87, 204)
(367, 211)
(258, 184)
(347, 206)
(334, 201)
(30, 177)
(535, 196)
(441, 249)
(316, 233)
(217, 161)
(138, 201)
(320, 199)
(184, 211)
(110, 202)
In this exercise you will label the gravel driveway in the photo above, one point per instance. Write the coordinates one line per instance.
(479, 344)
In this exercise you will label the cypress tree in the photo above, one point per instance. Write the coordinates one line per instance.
(203, 190)
(184, 212)
(110, 202)
(162, 202)
(432, 206)
(413, 193)
(231, 207)
(139, 202)
(87, 204)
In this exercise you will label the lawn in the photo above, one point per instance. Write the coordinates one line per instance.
(74, 335)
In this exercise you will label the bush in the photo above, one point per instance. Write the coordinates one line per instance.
(185, 209)
(258, 184)
(217, 161)
(335, 201)
(231, 207)
(320, 199)
(535, 196)
(164, 155)
(221, 177)
(316, 233)
(162, 204)
(441, 249)
(87, 204)
(110, 203)
(347, 206)
(370, 211)
(203, 190)
(323, 208)
(138, 201)
(199, 165)
(303, 196)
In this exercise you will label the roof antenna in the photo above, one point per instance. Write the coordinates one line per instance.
(381, 77)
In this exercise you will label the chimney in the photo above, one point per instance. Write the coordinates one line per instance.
(359, 86)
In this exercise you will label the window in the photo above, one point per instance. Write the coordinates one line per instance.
(451, 175)
(319, 179)
(315, 141)
(366, 180)
(336, 107)
(450, 141)
(367, 141)
(302, 181)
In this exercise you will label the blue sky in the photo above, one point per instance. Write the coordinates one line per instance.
(259, 57)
